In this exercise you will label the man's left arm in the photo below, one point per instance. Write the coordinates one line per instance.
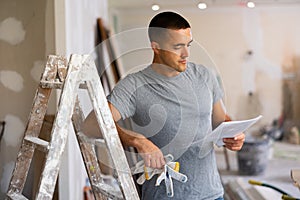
(218, 117)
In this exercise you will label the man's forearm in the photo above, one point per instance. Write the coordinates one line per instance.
(151, 154)
(130, 138)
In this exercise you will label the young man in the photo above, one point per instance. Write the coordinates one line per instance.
(174, 105)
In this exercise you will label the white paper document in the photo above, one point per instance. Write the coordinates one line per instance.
(232, 128)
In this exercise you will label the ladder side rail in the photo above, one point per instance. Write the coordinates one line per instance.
(87, 145)
(33, 128)
(108, 128)
(26, 152)
(59, 133)
(87, 150)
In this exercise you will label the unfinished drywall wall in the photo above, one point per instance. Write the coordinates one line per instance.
(252, 81)
(11, 80)
(22, 53)
(12, 31)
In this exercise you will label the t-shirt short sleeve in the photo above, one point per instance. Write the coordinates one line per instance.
(209, 77)
(216, 89)
(123, 97)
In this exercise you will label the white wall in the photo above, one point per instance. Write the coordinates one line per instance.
(80, 38)
(227, 34)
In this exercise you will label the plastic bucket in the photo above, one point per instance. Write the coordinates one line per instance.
(254, 156)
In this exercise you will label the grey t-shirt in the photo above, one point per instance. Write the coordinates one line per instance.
(175, 113)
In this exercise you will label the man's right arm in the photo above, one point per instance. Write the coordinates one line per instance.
(151, 154)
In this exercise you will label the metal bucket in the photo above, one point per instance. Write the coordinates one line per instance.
(254, 155)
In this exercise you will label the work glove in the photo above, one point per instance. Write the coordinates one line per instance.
(169, 171)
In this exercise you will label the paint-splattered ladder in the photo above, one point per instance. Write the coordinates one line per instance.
(80, 71)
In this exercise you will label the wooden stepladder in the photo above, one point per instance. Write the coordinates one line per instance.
(80, 71)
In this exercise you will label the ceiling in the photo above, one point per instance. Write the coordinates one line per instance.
(187, 3)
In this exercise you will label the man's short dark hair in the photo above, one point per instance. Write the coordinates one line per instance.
(163, 21)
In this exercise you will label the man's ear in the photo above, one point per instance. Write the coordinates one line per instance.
(155, 47)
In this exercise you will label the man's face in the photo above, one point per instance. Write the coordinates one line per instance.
(174, 50)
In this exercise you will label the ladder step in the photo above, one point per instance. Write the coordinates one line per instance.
(100, 142)
(41, 145)
(108, 191)
(58, 85)
(16, 196)
(51, 84)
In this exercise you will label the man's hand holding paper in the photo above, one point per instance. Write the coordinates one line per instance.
(231, 134)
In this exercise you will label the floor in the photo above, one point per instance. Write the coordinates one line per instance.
(281, 159)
